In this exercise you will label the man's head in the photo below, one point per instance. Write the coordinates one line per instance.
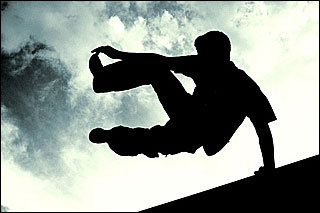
(213, 44)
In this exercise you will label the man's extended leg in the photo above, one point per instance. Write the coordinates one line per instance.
(124, 75)
(172, 95)
(127, 141)
(118, 76)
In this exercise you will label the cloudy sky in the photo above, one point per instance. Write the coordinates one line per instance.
(48, 106)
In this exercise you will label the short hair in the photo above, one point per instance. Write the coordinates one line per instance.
(213, 42)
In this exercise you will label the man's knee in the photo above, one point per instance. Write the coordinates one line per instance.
(95, 65)
(214, 147)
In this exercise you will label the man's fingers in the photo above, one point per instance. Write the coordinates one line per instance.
(96, 50)
(100, 49)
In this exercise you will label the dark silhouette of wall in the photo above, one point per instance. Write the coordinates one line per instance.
(293, 187)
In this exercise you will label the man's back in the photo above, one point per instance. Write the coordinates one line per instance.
(223, 97)
(224, 86)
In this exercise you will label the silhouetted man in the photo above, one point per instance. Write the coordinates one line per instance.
(223, 97)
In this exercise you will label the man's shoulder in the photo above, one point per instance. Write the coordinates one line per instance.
(236, 69)
(243, 76)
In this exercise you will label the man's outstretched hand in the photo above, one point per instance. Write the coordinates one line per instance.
(109, 51)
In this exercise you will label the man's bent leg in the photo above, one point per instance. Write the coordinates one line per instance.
(222, 130)
(127, 141)
(133, 141)
(171, 94)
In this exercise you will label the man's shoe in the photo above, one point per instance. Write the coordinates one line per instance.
(97, 135)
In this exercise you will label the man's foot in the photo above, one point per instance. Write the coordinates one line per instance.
(97, 135)
(265, 171)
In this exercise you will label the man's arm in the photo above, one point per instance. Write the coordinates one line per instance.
(118, 54)
(177, 64)
(266, 145)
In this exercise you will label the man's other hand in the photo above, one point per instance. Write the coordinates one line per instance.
(109, 51)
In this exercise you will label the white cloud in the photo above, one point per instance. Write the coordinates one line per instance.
(9, 134)
(116, 25)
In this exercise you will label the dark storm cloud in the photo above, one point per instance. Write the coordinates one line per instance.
(34, 92)
(4, 5)
(36, 99)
